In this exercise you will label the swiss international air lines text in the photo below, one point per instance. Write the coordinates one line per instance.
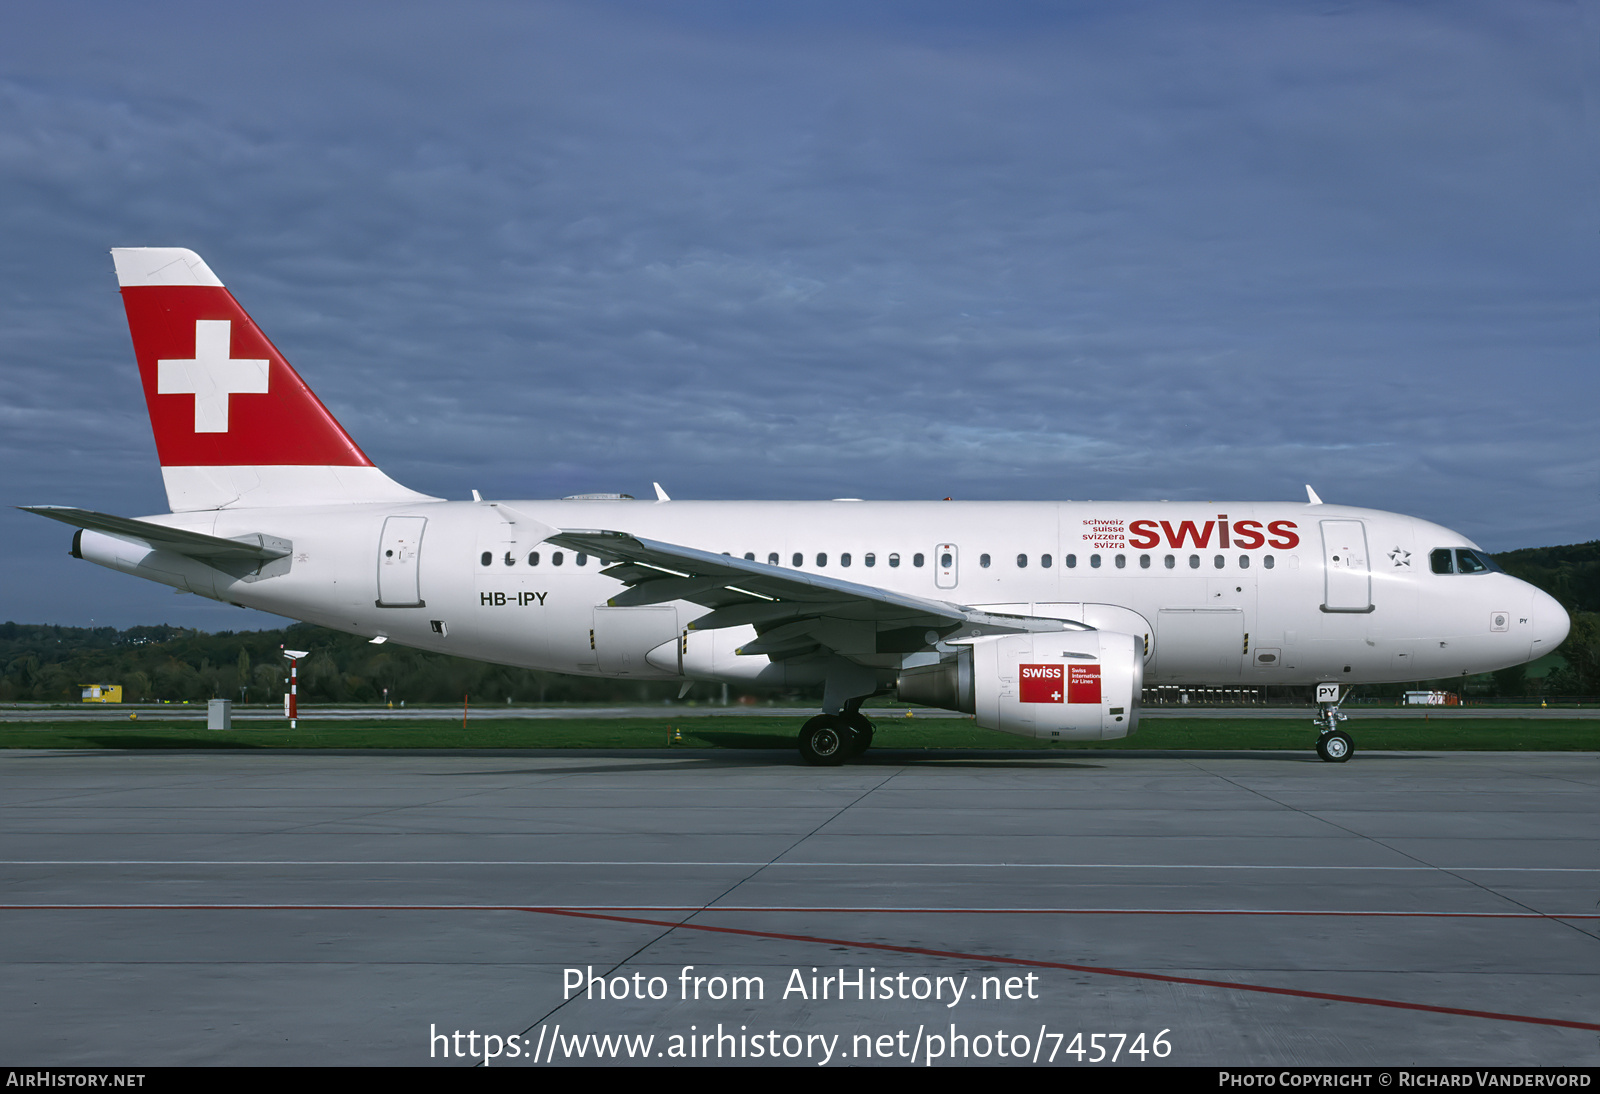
(1044, 684)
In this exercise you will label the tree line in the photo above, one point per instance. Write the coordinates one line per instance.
(46, 663)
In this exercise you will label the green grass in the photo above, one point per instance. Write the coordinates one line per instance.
(1438, 733)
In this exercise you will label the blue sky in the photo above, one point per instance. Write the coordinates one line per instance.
(1205, 251)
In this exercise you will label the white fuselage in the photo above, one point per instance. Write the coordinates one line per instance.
(1244, 595)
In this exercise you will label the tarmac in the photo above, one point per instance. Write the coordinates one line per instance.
(41, 712)
(971, 908)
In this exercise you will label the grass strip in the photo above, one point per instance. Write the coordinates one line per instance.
(1434, 734)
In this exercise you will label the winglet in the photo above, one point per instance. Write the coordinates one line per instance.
(1311, 495)
(661, 495)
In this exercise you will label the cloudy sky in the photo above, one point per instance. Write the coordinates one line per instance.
(766, 250)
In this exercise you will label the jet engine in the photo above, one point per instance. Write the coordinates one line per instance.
(1057, 685)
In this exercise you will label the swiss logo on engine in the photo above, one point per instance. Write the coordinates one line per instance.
(1043, 684)
(1083, 684)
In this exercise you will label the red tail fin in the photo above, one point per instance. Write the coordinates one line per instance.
(234, 424)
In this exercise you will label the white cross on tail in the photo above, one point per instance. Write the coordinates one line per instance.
(211, 376)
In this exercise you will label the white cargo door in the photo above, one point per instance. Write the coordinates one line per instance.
(1347, 573)
(946, 563)
(399, 554)
(623, 636)
(1199, 645)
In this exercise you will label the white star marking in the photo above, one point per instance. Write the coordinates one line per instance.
(211, 376)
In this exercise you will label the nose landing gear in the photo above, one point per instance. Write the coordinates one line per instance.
(1334, 745)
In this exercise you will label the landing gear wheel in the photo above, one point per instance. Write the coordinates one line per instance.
(1335, 747)
(825, 740)
(860, 734)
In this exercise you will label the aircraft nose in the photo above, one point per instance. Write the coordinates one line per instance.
(1550, 623)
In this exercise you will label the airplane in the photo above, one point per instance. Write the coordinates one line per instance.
(1042, 619)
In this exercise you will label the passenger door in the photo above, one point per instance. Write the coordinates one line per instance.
(399, 556)
(1347, 585)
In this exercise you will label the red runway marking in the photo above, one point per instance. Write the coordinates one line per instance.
(1098, 970)
(594, 912)
(697, 908)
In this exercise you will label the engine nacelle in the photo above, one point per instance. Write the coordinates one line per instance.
(1056, 685)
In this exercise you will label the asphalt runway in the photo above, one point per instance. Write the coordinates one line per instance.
(165, 908)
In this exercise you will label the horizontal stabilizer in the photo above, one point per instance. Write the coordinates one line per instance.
(257, 548)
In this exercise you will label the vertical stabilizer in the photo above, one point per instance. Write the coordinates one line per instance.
(234, 424)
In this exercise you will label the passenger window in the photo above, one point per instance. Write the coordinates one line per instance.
(1094, 561)
(1244, 562)
(894, 560)
(822, 559)
(1171, 562)
(1072, 562)
(1440, 561)
(488, 558)
(1220, 562)
(844, 559)
(1122, 561)
(983, 560)
(1045, 560)
(582, 559)
(869, 560)
(946, 561)
(1022, 562)
(772, 558)
(1469, 563)
(510, 559)
(556, 558)
(1266, 561)
(1194, 562)
(533, 558)
(799, 560)
(1144, 562)
(749, 556)
(916, 560)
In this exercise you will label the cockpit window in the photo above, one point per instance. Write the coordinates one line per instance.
(1461, 561)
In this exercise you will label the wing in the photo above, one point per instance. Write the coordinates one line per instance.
(794, 613)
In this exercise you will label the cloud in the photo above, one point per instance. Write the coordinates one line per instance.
(1159, 251)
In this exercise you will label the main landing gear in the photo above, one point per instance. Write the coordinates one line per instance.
(830, 739)
(1333, 744)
